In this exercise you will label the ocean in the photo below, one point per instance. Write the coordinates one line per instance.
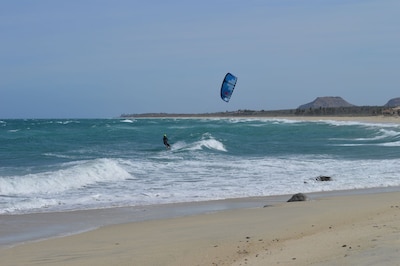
(53, 165)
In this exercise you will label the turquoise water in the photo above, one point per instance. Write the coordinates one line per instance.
(55, 165)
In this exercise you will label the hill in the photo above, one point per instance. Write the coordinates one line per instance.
(326, 102)
(395, 102)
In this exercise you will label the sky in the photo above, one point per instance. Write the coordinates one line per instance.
(101, 58)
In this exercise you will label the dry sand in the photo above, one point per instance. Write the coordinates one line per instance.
(344, 230)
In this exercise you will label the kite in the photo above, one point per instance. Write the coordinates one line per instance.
(228, 85)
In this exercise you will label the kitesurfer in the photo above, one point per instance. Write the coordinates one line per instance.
(165, 140)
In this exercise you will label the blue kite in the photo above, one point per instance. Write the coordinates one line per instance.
(227, 87)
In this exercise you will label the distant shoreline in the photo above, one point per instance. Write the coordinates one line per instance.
(322, 113)
(364, 119)
(355, 118)
(285, 114)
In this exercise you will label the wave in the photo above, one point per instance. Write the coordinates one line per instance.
(358, 123)
(66, 122)
(207, 142)
(108, 182)
(127, 121)
(390, 144)
(384, 134)
(49, 154)
(387, 144)
(74, 176)
(211, 144)
(384, 137)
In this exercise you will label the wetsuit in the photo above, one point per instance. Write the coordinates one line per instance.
(165, 140)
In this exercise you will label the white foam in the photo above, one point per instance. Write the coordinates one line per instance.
(207, 142)
(29, 204)
(76, 176)
(66, 122)
(358, 123)
(390, 144)
(384, 133)
(173, 177)
(212, 144)
(50, 154)
(127, 121)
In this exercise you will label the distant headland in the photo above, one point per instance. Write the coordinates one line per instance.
(321, 106)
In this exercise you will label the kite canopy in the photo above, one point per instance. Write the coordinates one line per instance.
(228, 85)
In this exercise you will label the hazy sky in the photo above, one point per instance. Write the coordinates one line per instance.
(102, 58)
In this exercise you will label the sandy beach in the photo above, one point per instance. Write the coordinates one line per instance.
(366, 119)
(359, 229)
(349, 228)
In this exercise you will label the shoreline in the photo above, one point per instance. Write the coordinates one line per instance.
(248, 231)
(19, 229)
(366, 119)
